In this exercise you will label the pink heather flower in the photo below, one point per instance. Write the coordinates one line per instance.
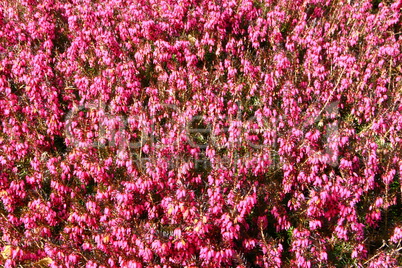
(397, 235)
(95, 99)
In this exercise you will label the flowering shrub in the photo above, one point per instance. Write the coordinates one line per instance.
(232, 133)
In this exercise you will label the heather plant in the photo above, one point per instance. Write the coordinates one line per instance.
(231, 133)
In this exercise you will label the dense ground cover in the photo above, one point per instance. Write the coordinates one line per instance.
(228, 133)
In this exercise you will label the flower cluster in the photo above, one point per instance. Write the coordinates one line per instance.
(230, 133)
